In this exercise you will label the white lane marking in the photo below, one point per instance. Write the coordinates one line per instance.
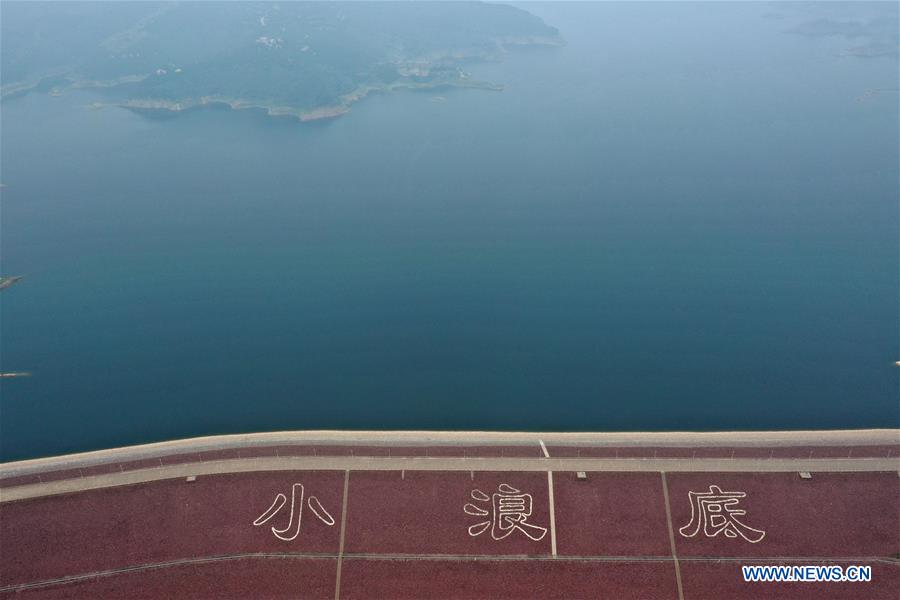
(544, 448)
(552, 514)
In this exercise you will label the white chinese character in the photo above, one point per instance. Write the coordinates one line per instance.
(296, 515)
(509, 512)
(715, 512)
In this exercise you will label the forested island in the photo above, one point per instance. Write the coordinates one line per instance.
(308, 60)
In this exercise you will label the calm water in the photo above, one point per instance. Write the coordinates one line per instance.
(684, 219)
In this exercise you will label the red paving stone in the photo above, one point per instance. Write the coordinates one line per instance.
(20, 480)
(423, 513)
(522, 451)
(501, 579)
(145, 463)
(226, 454)
(610, 514)
(370, 451)
(883, 451)
(164, 520)
(293, 450)
(635, 452)
(736, 452)
(810, 452)
(484, 451)
(675, 452)
(876, 451)
(269, 578)
(180, 459)
(723, 579)
(743, 452)
(832, 514)
(599, 452)
(563, 451)
(60, 475)
(256, 452)
(407, 451)
(103, 469)
(333, 450)
(457, 451)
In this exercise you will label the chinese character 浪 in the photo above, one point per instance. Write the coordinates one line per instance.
(509, 511)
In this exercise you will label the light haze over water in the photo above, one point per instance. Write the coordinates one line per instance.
(684, 219)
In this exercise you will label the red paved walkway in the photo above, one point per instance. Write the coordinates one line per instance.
(244, 578)
(709, 580)
(501, 580)
(611, 514)
(407, 535)
(116, 527)
(832, 514)
(423, 513)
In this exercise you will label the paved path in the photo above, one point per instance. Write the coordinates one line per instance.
(397, 439)
(359, 463)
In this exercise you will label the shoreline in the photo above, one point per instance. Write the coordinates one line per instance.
(689, 439)
(303, 115)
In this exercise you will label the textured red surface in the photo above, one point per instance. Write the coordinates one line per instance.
(226, 454)
(881, 451)
(263, 578)
(145, 463)
(116, 527)
(498, 580)
(101, 469)
(611, 514)
(256, 452)
(522, 451)
(876, 451)
(487, 451)
(369, 451)
(832, 514)
(407, 451)
(293, 450)
(21, 480)
(422, 513)
(717, 580)
(457, 451)
(418, 518)
(180, 459)
(58, 475)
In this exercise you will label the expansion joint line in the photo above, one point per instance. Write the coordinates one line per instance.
(340, 557)
(665, 487)
(552, 514)
(552, 503)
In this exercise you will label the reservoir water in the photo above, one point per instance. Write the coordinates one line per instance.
(686, 218)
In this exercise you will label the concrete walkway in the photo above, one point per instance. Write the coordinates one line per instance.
(397, 439)
(359, 463)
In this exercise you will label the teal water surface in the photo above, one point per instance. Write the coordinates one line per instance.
(686, 218)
